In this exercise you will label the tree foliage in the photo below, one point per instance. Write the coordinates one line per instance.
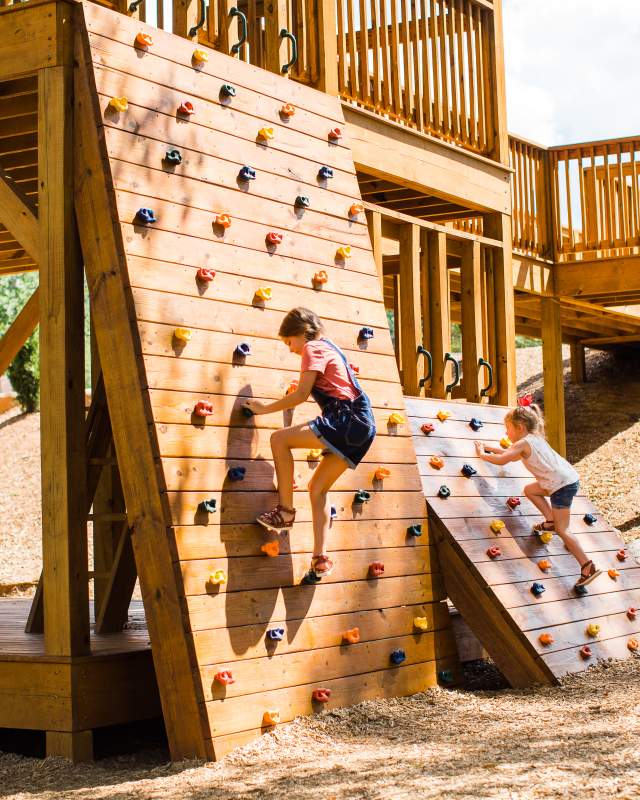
(24, 372)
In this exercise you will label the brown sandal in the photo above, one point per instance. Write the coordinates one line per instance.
(321, 565)
(274, 521)
(591, 575)
(544, 527)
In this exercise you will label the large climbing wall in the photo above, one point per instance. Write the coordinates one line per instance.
(493, 590)
(185, 169)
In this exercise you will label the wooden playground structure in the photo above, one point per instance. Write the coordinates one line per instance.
(206, 173)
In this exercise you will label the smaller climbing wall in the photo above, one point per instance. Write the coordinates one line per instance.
(493, 591)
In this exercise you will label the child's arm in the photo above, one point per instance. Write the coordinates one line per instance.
(301, 394)
(500, 457)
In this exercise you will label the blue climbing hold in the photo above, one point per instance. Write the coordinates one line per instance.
(275, 634)
(365, 333)
(227, 90)
(173, 157)
(468, 471)
(414, 530)
(325, 173)
(361, 496)
(242, 350)
(397, 657)
(146, 215)
(302, 201)
(590, 519)
(580, 590)
(247, 174)
(444, 492)
(476, 424)
(333, 513)
(246, 411)
(237, 473)
(209, 506)
(537, 589)
(445, 676)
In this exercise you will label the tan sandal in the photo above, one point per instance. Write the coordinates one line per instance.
(274, 521)
(591, 575)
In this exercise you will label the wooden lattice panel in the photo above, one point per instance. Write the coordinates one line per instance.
(494, 595)
(225, 627)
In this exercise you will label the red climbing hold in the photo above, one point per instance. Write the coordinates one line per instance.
(203, 408)
(274, 238)
(287, 110)
(143, 40)
(225, 677)
(355, 368)
(494, 552)
(335, 134)
(525, 400)
(186, 108)
(427, 428)
(321, 695)
(355, 209)
(205, 275)
(621, 555)
(376, 569)
(586, 651)
(632, 613)
(513, 502)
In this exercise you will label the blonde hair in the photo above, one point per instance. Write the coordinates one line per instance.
(529, 416)
(301, 322)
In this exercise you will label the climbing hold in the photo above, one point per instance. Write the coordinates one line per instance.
(376, 569)
(496, 525)
(355, 368)
(436, 462)
(119, 104)
(352, 636)
(613, 574)
(580, 590)
(271, 717)
(513, 502)
(443, 415)
(225, 677)
(365, 333)
(186, 108)
(321, 695)
(183, 334)
(143, 40)
(173, 157)
(263, 293)
(325, 173)
(633, 645)
(242, 350)
(274, 238)
(468, 471)
(445, 676)
(302, 201)
(545, 639)
(590, 519)
(227, 90)
(146, 215)
(222, 220)
(427, 428)
(525, 400)
(381, 473)
(335, 134)
(236, 473)
(476, 424)
(361, 497)
(396, 419)
(593, 629)
(333, 513)
(275, 634)
(344, 252)
(421, 623)
(218, 577)
(320, 278)
(272, 549)
(315, 454)
(414, 530)
(494, 551)
(310, 578)
(293, 387)
(546, 537)
(200, 56)
(247, 412)
(586, 652)
(205, 275)
(537, 589)
(621, 555)
(203, 408)
(444, 492)
(247, 174)
(632, 613)
(505, 443)
(355, 209)
(209, 506)
(265, 134)
(287, 110)
(397, 657)
(544, 565)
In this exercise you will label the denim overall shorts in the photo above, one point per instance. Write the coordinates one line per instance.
(346, 427)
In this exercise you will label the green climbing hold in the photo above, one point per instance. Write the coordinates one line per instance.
(361, 497)
(311, 579)
(445, 676)
(414, 530)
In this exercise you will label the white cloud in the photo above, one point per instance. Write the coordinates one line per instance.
(573, 68)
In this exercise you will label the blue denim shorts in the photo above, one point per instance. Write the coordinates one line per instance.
(563, 497)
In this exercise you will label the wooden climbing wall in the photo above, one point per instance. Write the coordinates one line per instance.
(143, 286)
(494, 596)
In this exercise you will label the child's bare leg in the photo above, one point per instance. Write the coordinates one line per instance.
(562, 519)
(330, 469)
(535, 493)
(283, 442)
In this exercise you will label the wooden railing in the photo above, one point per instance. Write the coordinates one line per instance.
(531, 221)
(425, 63)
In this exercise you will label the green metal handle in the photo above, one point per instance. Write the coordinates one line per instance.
(199, 24)
(284, 34)
(235, 12)
(456, 372)
(424, 352)
(483, 363)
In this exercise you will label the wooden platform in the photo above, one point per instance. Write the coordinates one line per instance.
(494, 596)
(114, 685)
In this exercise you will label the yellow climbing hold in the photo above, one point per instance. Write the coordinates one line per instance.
(271, 717)
(344, 251)
(505, 442)
(218, 577)
(119, 104)
(593, 629)
(443, 415)
(264, 293)
(546, 537)
(496, 525)
(421, 623)
(265, 133)
(200, 56)
(315, 454)
(396, 419)
(183, 334)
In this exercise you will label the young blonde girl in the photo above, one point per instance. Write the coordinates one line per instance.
(344, 430)
(555, 479)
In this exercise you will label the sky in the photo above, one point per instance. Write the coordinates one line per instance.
(572, 69)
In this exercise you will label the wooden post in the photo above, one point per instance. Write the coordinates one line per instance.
(185, 16)
(552, 373)
(425, 295)
(439, 316)
(21, 329)
(410, 315)
(471, 297)
(374, 223)
(578, 362)
(327, 47)
(499, 95)
(227, 25)
(276, 47)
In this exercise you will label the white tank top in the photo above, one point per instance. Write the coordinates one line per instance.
(549, 468)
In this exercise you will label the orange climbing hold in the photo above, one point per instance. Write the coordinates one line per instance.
(265, 134)
(186, 108)
(223, 220)
(505, 443)
(225, 677)
(546, 639)
(494, 551)
(321, 695)
(381, 473)
(621, 555)
(633, 645)
(143, 40)
(287, 110)
(376, 569)
(263, 293)
(355, 209)
(271, 717)
(544, 564)
(320, 278)
(272, 549)
(344, 252)
(352, 636)
(292, 387)
(613, 574)
(119, 104)
(436, 462)
(203, 408)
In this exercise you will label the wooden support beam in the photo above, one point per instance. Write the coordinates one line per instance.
(114, 603)
(553, 380)
(276, 47)
(76, 746)
(185, 16)
(327, 25)
(499, 93)
(17, 214)
(633, 338)
(410, 312)
(226, 24)
(374, 223)
(425, 294)
(21, 329)
(471, 299)
(439, 317)
(578, 362)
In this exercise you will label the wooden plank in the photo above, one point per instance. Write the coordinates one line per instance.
(553, 374)
(30, 37)
(113, 611)
(472, 345)
(410, 306)
(20, 330)
(590, 607)
(440, 335)
(493, 506)
(18, 215)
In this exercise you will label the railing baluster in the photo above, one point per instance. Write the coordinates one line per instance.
(363, 55)
(342, 51)
(444, 68)
(418, 53)
(353, 74)
(395, 59)
(386, 55)
(375, 44)
(435, 62)
(406, 54)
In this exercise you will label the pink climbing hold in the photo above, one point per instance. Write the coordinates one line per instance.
(632, 613)
(513, 502)
(586, 651)
(376, 569)
(494, 552)
(321, 695)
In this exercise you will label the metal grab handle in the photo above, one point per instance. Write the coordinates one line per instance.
(201, 21)
(456, 372)
(483, 363)
(424, 352)
(235, 12)
(133, 7)
(284, 34)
